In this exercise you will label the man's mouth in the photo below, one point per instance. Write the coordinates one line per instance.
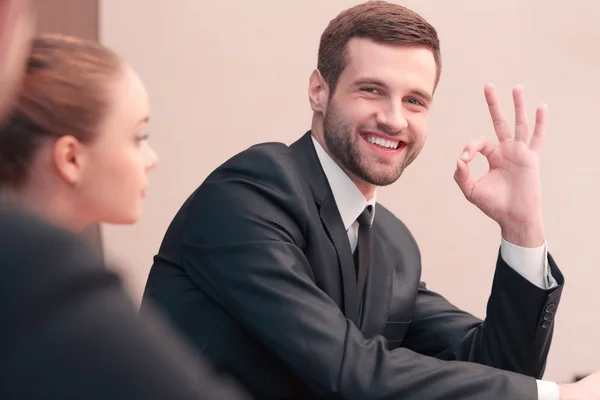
(388, 144)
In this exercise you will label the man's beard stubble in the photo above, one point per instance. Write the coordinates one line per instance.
(343, 145)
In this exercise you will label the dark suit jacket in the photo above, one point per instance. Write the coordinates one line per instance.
(68, 331)
(256, 268)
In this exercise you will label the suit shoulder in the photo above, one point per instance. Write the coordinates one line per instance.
(264, 154)
(262, 183)
(271, 162)
(264, 178)
(23, 236)
(39, 259)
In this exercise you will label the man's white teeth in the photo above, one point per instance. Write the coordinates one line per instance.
(390, 144)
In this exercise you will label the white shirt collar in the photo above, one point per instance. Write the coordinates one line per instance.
(350, 201)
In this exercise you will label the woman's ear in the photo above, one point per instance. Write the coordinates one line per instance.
(68, 157)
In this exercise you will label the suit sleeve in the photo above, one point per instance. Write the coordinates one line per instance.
(70, 332)
(243, 244)
(515, 335)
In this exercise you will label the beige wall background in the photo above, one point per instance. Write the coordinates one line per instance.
(223, 75)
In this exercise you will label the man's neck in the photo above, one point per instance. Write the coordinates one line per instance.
(368, 190)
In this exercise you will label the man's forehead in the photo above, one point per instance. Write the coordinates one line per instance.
(391, 63)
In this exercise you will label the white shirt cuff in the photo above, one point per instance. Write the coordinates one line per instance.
(530, 263)
(547, 390)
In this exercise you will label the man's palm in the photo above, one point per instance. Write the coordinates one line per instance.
(510, 192)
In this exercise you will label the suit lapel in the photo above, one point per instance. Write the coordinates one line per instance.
(378, 288)
(335, 229)
(308, 161)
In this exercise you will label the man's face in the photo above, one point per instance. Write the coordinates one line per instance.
(375, 124)
(17, 27)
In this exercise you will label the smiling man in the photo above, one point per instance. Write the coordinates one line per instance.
(285, 271)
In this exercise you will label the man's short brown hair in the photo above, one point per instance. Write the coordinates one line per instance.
(379, 21)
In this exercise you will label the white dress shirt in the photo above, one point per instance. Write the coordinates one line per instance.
(531, 263)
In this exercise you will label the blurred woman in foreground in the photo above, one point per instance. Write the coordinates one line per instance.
(74, 149)
(68, 329)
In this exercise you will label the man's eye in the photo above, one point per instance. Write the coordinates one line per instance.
(372, 90)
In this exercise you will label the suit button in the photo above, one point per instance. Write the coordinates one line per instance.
(548, 316)
(546, 324)
(551, 308)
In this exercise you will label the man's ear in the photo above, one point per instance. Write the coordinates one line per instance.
(68, 158)
(318, 92)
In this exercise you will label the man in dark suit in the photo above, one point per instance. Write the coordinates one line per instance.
(286, 273)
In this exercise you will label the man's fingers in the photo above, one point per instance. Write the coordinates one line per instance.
(464, 179)
(480, 145)
(501, 126)
(521, 123)
(462, 175)
(539, 132)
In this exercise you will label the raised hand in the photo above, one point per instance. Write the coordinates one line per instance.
(510, 192)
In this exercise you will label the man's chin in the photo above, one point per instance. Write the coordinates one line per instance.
(384, 182)
(380, 179)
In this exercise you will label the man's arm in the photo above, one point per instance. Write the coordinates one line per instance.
(243, 245)
(70, 332)
(530, 262)
(515, 335)
(510, 193)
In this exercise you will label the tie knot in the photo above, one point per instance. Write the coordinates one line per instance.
(366, 217)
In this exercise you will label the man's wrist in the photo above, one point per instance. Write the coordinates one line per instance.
(524, 235)
(568, 392)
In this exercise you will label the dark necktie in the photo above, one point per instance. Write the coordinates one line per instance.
(362, 255)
